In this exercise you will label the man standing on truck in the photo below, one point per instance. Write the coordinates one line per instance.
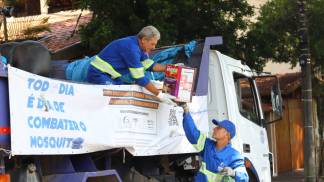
(129, 55)
(219, 158)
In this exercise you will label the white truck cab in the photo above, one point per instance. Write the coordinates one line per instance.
(233, 95)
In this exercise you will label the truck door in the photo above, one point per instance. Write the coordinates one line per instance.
(247, 114)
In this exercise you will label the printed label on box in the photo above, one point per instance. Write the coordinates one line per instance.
(179, 82)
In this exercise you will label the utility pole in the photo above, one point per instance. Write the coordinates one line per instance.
(305, 63)
(5, 28)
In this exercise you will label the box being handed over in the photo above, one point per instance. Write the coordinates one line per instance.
(179, 82)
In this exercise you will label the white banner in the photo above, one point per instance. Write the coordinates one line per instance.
(49, 116)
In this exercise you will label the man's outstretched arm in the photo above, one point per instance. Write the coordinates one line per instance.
(194, 136)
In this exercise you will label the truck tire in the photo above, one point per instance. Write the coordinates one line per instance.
(33, 57)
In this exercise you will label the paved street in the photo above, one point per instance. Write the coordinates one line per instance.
(296, 176)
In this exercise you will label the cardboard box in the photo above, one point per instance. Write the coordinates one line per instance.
(179, 82)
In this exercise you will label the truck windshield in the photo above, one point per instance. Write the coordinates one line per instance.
(246, 98)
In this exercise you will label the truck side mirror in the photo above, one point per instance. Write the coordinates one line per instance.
(270, 95)
(276, 100)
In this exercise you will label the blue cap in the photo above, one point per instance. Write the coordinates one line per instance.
(228, 125)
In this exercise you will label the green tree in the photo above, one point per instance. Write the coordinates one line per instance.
(178, 21)
(275, 37)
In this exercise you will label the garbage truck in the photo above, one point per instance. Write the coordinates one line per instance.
(53, 129)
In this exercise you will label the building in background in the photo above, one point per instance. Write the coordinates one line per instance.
(36, 7)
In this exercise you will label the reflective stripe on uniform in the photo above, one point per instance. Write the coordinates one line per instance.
(211, 176)
(147, 63)
(104, 67)
(200, 143)
(137, 72)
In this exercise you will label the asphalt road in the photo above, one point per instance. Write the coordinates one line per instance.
(295, 176)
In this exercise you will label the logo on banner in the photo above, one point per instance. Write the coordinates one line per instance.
(137, 121)
(173, 121)
(77, 143)
(131, 98)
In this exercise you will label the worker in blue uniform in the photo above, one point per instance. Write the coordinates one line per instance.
(219, 158)
(129, 55)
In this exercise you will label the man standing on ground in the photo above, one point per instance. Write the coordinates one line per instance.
(218, 157)
(129, 55)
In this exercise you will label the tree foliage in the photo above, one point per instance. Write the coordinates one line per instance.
(275, 35)
(178, 21)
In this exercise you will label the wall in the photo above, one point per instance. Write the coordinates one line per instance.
(286, 137)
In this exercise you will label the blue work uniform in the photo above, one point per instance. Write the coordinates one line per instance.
(213, 160)
(118, 58)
